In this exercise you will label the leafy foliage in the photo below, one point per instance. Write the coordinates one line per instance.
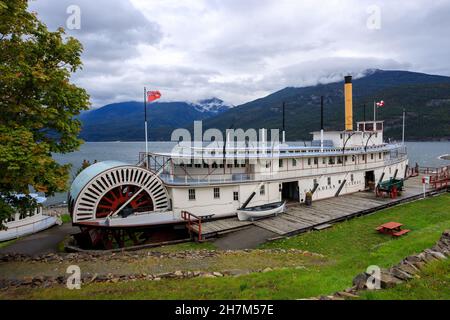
(37, 101)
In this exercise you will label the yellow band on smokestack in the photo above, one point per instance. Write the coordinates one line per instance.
(348, 103)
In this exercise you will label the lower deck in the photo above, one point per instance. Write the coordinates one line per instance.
(301, 218)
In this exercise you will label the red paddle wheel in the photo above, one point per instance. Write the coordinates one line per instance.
(116, 197)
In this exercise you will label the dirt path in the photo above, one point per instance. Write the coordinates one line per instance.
(42, 242)
(248, 238)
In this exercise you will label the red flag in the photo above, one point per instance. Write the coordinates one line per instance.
(380, 104)
(153, 95)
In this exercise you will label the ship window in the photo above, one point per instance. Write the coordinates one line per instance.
(309, 161)
(314, 182)
(329, 181)
(191, 194)
(216, 193)
(364, 157)
(324, 160)
(229, 165)
(262, 190)
(351, 177)
(294, 162)
(339, 160)
(331, 160)
(267, 164)
(235, 196)
(316, 160)
(205, 165)
(379, 155)
(242, 165)
(221, 165)
(280, 162)
(371, 156)
(214, 165)
(353, 158)
(346, 158)
(197, 165)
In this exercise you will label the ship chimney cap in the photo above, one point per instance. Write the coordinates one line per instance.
(348, 79)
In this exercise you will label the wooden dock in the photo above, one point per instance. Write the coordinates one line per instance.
(301, 218)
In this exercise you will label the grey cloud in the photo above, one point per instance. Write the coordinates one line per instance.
(242, 50)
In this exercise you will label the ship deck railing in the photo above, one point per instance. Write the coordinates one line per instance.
(208, 179)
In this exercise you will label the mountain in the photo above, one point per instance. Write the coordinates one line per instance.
(426, 99)
(124, 121)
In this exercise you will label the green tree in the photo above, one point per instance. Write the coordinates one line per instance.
(38, 103)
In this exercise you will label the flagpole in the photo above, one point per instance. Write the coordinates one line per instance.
(374, 111)
(146, 128)
(403, 129)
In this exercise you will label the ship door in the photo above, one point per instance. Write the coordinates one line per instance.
(369, 179)
(290, 191)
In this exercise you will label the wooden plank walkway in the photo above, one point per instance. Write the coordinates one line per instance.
(300, 218)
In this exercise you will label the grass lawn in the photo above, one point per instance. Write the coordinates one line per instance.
(434, 283)
(4, 244)
(349, 247)
(65, 218)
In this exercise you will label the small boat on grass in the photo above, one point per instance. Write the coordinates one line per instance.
(265, 210)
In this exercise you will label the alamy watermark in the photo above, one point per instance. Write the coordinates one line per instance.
(373, 22)
(73, 21)
(74, 280)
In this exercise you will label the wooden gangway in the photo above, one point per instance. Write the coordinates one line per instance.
(301, 218)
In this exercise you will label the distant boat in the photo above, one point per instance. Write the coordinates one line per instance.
(262, 211)
(22, 224)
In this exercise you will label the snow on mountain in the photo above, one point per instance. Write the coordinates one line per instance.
(212, 105)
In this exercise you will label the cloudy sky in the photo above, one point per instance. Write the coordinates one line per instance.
(239, 50)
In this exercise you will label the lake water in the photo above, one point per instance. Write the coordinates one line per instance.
(424, 153)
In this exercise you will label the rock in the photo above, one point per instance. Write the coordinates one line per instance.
(426, 257)
(360, 281)
(435, 254)
(408, 268)
(178, 273)
(217, 274)
(400, 274)
(388, 280)
(208, 275)
(348, 295)
(27, 281)
(157, 279)
(267, 269)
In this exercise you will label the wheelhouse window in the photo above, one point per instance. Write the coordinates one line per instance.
(262, 190)
(216, 193)
(191, 194)
(236, 196)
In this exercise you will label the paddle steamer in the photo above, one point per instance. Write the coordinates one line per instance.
(217, 180)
